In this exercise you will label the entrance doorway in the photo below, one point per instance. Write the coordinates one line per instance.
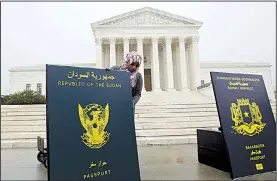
(147, 80)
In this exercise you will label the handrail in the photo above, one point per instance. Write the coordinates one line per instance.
(204, 85)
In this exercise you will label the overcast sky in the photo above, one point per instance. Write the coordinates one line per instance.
(35, 33)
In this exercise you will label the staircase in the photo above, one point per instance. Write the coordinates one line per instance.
(157, 123)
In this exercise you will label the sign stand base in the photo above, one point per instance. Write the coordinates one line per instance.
(211, 149)
(42, 155)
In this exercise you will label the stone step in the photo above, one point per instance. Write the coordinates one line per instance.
(23, 106)
(23, 113)
(145, 122)
(142, 107)
(41, 126)
(167, 140)
(177, 119)
(205, 124)
(141, 141)
(139, 108)
(175, 106)
(139, 133)
(28, 143)
(165, 113)
(32, 109)
(174, 115)
(144, 115)
(137, 120)
(22, 135)
(175, 110)
(138, 111)
(141, 103)
(22, 118)
(167, 121)
(165, 132)
(17, 128)
(23, 123)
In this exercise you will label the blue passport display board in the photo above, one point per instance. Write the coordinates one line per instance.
(247, 122)
(90, 125)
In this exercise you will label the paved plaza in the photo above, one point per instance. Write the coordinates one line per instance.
(178, 162)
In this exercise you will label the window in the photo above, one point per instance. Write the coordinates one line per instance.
(28, 86)
(39, 88)
(202, 82)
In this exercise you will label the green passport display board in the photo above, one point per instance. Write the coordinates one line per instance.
(247, 122)
(90, 125)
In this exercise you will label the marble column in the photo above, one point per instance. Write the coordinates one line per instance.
(164, 81)
(194, 64)
(126, 42)
(169, 68)
(175, 66)
(182, 68)
(112, 52)
(140, 51)
(155, 69)
(99, 61)
(187, 50)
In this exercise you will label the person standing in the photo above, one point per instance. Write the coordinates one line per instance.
(131, 63)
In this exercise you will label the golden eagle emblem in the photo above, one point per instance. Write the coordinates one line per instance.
(247, 117)
(95, 135)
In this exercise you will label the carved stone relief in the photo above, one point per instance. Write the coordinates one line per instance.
(147, 18)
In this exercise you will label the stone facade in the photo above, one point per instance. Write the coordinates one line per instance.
(168, 44)
(33, 75)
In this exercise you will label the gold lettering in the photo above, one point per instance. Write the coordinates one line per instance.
(259, 166)
(97, 174)
(257, 146)
(89, 84)
(238, 83)
(233, 83)
(232, 88)
(255, 158)
(72, 74)
(100, 85)
(246, 88)
(83, 75)
(256, 152)
(238, 79)
(113, 85)
(105, 77)
(66, 83)
(250, 79)
(95, 76)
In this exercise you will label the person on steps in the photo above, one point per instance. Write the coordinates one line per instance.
(131, 64)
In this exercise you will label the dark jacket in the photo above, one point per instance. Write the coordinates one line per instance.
(136, 91)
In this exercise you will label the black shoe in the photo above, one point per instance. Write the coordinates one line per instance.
(219, 128)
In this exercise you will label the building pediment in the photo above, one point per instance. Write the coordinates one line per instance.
(146, 17)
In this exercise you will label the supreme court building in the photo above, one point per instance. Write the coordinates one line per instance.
(168, 44)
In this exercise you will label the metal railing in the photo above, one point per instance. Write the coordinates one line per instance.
(204, 85)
